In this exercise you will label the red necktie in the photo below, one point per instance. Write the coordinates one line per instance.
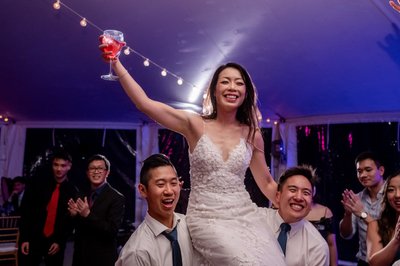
(52, 212)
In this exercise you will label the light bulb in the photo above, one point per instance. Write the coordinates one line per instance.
(56, 5)
(268, 120)
(83, 22)
(275, 122)
(127, 51)
(5, 119)
(146, 62)
(164, 72)
(1, 117)
(180, 81)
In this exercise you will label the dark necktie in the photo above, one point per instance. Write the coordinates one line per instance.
(282, 238)
(51, 212)
(92, 198)
(176, 250)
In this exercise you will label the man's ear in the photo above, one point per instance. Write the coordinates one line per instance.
(277, 198)
(381, 170)
(142, 190)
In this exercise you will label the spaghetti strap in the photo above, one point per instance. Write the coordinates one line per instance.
(326, 210)
(252, 144)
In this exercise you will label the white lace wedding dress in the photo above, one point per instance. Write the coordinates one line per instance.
(226, 227)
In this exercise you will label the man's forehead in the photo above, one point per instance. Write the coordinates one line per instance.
(365, 163)
(165, 177)
(60, 161)
(298, 181)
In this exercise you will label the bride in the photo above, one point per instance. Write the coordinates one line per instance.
(226, 227)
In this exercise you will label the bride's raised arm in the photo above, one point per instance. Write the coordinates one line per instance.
(167, 116)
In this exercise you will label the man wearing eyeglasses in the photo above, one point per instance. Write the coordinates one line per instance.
(98, 216)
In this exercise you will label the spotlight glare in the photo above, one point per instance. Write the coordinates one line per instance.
(180, 81)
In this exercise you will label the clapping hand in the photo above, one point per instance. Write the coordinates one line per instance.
(72, 207)
(79, 206)
(352, 202)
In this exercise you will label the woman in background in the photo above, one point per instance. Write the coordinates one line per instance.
(383, 235)
(322, 218)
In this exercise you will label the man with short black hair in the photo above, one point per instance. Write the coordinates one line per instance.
(98, 216)
(45, 220)
(301, 243)
(365, 206)
(151, 243)
(13, 204)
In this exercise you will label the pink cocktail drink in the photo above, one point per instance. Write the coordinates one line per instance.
(113, 46)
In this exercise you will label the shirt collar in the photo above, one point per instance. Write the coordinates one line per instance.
(99, 189)
(156, 227)
(365, 194)
(295, 227)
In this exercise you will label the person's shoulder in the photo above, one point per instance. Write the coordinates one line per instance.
(141, 238)
(313, 232)
(115, 191)
(139, 246)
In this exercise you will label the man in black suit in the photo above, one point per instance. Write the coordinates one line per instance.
(98, 215)
(45, 220)
(13, 204)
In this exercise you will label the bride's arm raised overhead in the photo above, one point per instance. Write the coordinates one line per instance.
(169, 117)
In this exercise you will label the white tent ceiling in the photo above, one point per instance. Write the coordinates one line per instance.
(307, 58)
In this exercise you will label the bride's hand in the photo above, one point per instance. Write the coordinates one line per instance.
(394, 5)
(106, 55)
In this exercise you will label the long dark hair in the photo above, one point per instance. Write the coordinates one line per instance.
(247, 112)
(388, 220)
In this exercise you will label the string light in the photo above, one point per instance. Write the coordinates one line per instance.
(83, 22)
(5, 119)
(56, 5)
(127, 51)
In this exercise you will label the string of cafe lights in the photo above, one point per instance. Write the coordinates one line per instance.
(84, 22)
(5, 119)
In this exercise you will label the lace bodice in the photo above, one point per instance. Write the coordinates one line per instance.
(209, 170)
